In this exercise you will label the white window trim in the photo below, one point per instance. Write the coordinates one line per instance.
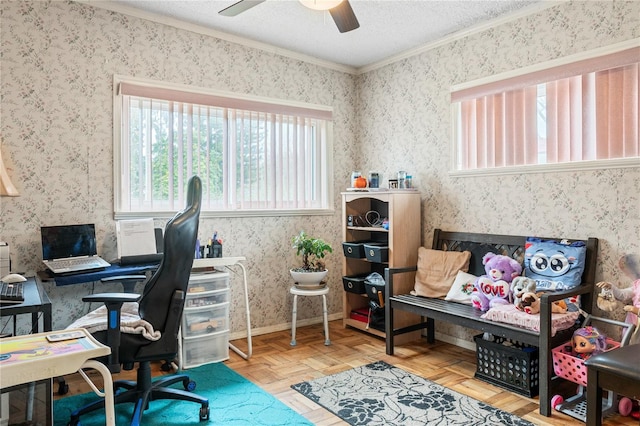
(538, 168)
(117, 155)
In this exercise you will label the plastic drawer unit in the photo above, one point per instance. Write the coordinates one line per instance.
(205, 349)
(206, 282)
(205, 320)
(207, 298)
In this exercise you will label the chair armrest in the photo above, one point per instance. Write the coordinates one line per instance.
(124, 278)
(128, 281)
(111, 297)
(113, 302)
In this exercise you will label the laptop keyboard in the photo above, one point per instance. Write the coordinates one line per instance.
(11, 292)
(69, 263)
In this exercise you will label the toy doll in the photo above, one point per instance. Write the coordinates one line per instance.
(587, 341)
(630, 265)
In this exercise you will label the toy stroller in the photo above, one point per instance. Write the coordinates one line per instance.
(569, 365)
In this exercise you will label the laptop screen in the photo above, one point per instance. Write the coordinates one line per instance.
(59, 242)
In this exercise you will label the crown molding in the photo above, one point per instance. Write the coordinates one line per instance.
(177, 23)
(199, 29)
(535, 8)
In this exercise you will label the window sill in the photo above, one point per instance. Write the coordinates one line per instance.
(228, 213)
(621, 163)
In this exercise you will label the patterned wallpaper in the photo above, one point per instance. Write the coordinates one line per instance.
(405, 125)
(58, 61)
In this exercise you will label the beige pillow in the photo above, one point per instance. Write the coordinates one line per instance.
(437, 270)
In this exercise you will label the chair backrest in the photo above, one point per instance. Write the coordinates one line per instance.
(163, 297)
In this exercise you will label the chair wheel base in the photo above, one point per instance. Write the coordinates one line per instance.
(189, 385)
(63, 388)
(204, 413)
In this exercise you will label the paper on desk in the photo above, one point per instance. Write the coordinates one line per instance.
(135, 237)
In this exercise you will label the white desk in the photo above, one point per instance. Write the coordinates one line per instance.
(29, 358)
(218, 262)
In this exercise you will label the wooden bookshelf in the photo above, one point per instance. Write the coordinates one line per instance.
(403, 238)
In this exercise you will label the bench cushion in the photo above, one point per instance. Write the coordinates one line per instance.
(509, 314)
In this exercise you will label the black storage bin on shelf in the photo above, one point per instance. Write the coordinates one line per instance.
(354, 249)
(376, 252)
(514, 367)
(354, 284)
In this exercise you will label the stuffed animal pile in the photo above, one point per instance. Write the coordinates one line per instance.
(494, 288)
(527, 300)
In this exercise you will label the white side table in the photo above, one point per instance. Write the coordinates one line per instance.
(32, 357)
(299, 291)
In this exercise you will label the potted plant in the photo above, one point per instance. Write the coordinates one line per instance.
(313, 251)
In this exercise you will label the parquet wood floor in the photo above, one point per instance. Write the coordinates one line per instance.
(275, 366)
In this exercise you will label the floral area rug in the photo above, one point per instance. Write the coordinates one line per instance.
(381, 394)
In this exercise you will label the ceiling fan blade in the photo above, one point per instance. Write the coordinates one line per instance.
(344, 17)
(239, 7)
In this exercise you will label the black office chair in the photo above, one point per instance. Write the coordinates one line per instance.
(161, 304)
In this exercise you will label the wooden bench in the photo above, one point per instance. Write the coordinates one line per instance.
(431, 310)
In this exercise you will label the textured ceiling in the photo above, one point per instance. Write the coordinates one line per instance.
(387, 27)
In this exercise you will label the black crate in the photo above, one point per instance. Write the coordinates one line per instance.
(376, 252)
(514, 367)
(354, 284)
(354, 249)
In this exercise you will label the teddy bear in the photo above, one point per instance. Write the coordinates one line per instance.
(519, 286)
(494, 288)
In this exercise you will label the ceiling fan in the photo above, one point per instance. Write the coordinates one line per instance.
(340, 11)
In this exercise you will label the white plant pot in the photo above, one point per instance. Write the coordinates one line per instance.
(308, 279)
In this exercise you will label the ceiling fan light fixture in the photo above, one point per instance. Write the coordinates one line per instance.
(321, 4)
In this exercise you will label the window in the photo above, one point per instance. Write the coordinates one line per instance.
(254, 156)
(581, 112)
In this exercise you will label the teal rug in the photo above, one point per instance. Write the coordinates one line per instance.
(233, 400)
